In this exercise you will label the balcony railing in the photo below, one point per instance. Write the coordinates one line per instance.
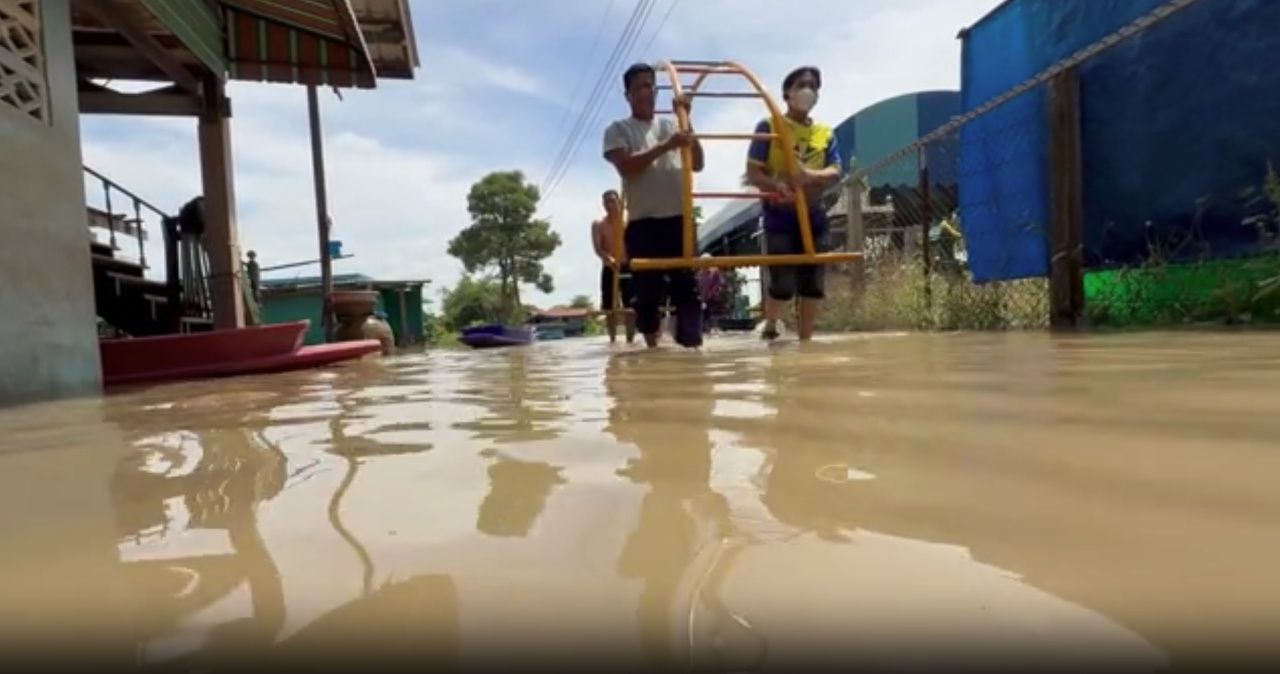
(124, 214)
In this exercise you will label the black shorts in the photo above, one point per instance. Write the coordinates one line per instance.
(664, 238)
(807, 280)
(606, 287)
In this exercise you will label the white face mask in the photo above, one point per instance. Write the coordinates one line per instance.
(804, 99)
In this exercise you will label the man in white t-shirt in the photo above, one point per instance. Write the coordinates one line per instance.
(645, 151)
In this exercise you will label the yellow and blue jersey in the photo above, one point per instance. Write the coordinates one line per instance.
(815, 148)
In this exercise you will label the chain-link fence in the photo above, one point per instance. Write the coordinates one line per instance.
(1176, 210)
(916, 272)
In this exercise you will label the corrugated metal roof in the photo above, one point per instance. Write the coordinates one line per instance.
(319, 42)
(297, 41)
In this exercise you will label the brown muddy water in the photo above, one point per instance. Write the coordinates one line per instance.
(886, 500)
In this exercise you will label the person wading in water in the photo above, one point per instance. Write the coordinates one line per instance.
(644, 152)
(819, 162)
(602, 237)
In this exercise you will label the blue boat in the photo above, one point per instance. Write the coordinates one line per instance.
(492, 336)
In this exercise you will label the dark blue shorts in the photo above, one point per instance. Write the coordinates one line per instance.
(806, 280)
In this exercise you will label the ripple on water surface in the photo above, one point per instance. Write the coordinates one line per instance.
(883, 499)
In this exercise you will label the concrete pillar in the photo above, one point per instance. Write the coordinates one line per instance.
(221, 235)
(48, 334)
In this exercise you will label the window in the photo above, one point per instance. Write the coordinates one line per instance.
(23, 84)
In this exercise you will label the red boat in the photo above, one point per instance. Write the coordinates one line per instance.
(221, 353)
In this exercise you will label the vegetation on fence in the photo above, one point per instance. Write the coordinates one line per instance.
(895, 296)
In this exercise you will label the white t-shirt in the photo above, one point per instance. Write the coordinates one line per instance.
(658, 192)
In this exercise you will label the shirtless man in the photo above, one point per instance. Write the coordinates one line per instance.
(602, 238)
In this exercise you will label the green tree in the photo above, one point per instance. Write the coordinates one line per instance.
(432, 323)
(580, 302)
(472, 300)
(504, 238)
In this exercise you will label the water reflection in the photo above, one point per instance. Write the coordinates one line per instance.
(684, 542)
(518, 392)
(808, 484)
(230, 477)
(882, 501)
(214, 475)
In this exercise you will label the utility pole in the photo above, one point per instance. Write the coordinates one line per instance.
(322, 210)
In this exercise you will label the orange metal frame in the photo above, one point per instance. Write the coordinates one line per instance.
(782, 132)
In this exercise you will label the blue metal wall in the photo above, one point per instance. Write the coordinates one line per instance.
(1178, 126)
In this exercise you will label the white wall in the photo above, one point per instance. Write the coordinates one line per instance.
(48, 338)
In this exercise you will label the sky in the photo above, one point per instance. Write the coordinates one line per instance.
(501, 85)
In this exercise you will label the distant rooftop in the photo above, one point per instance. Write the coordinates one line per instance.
(339, 280)
(564, 312)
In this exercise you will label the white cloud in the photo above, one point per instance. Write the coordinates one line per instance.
(401, 158)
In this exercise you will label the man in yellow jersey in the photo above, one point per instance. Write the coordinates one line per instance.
(819, 162)
(605, 242)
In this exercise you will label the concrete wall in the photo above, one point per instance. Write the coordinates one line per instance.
(48, 338)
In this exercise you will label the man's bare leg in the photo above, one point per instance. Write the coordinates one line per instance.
(611, 324)
(772, 312)
(808, 317)
(631, 327)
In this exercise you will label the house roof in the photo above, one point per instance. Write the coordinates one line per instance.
(564, 312)
(296, 41)
(339, 281)
(341, 43)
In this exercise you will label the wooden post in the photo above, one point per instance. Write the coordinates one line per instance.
(926, 223)
(764, 269)
(219, 208)
(404, 319)
(322, 210)
(855, 236)
(1066, 203)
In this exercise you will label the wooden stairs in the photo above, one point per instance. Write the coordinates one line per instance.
(134, 304)
(124, 297)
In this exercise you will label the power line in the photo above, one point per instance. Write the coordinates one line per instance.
(596, 92)
(654, 37)
(627, 49)
(586, 65)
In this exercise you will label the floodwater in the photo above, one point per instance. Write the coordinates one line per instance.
(883, 500)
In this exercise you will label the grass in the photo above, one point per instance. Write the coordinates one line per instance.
(1226, 292)
(1156, 294)
(895, 296)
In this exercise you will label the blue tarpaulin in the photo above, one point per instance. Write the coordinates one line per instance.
(1178, 125)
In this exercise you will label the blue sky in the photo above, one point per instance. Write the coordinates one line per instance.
(496, 91)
